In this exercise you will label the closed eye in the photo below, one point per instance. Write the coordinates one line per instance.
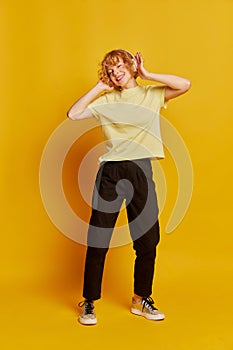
(111, 71)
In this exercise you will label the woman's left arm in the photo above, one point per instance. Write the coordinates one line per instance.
(175, 86)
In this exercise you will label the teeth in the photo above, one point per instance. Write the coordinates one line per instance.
(119, 78)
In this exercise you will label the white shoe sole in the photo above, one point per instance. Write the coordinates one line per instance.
(87, 322)
(158, 317)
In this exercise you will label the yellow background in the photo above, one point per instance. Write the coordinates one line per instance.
(50, 52)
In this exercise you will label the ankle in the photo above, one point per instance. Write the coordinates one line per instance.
(137, 298)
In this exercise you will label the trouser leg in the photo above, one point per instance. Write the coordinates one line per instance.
(94, 266)
(145, 248)
(106, 205)
(142, 213)
(98, 243)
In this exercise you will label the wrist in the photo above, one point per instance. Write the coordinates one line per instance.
(145, 75)
(148, 75)
(99, 87)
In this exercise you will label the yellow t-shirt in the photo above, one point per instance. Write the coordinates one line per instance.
(130, 122)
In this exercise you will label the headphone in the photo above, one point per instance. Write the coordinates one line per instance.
(134, 62)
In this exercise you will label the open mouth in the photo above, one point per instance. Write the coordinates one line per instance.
(119, 78)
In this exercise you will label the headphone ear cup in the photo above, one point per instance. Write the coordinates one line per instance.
(135, 65)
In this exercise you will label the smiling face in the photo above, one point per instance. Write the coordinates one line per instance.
(118, 69)
(120, 75)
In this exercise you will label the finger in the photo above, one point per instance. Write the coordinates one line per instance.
(138, 58)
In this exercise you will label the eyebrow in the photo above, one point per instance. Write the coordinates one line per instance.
(117, 63)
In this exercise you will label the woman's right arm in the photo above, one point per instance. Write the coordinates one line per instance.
(80, 110)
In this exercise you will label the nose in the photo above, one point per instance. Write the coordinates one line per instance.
(114, 72)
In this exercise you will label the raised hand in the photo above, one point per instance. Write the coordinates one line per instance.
(105, 86)
(142, 72)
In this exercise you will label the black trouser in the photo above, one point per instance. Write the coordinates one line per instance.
(116, 181)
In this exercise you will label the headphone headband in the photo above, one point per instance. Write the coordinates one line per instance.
(128, 53)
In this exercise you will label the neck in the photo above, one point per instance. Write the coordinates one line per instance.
(130, 84)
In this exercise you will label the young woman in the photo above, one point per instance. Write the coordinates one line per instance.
(129, 114)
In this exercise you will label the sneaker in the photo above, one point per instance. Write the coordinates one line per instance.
(144, 307)
(87, 316)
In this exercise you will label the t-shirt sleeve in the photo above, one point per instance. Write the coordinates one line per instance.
(162, 97)
(93, 106)
(159, 95)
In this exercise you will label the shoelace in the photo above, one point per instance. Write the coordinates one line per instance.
(148, 303)
(88, 306)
